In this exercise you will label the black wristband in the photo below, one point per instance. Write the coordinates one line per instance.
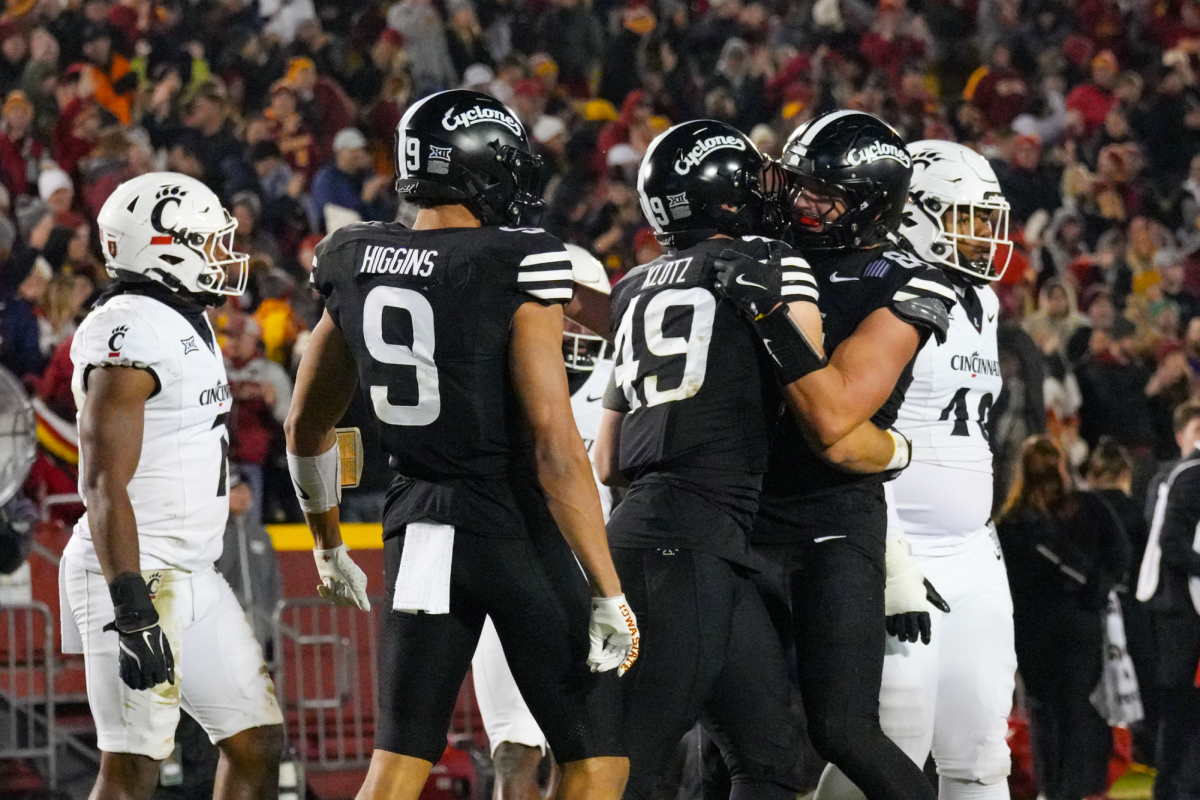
(134, 608)
(790, 349)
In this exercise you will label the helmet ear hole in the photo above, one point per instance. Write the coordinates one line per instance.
(170, 259)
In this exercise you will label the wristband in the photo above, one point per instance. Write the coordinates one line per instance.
(134, 608)
(902, 455)
(789, 347)
(318, 480)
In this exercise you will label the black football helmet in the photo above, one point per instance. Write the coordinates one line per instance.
(466, 147)
(850, 159)
(699, 179)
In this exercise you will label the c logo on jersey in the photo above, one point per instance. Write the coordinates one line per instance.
(116, 340)
(975, 365)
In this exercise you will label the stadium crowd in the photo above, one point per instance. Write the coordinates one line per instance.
(1089, 110)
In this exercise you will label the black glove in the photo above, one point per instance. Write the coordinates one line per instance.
(914, 625)
(754, 286)
(146, 658)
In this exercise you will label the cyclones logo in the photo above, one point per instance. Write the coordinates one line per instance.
(877, 151)
(692, 158)
(465, 119)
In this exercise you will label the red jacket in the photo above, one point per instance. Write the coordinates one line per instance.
(1093, 103)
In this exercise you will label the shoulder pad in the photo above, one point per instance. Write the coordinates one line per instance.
(545, 274)
(924, 312)
(118, 335)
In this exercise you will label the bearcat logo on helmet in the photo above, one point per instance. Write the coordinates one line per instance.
(877, 151)
(685, 162)
(465, 119)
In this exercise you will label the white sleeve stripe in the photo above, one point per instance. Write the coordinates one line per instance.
(551, 294)
(546, 258)
(901, 296)
(544, 275)
(793, 261)
(800, 276)
(806, 291)
(930, 286)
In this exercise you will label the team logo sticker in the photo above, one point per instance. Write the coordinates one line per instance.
(439, 160)
(116, 340)
(189, 345)
(472, 116)
(678, 203)
(702, 148)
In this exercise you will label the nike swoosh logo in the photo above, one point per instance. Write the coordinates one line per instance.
(738, 279)
(991, 317)
(594, 399)
(835, 278)
(820, 539)
(303, 494)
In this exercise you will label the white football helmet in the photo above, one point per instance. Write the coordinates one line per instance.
(951, 177)
(172, 229)
(582, 348)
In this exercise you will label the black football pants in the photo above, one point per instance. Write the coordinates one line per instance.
(539, 601)
(827, 598)
(708, 651)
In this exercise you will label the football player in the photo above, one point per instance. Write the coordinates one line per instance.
(516, 741)
(157, 624)
(686, 425)
(454, 331)
(847, 175)
(954, 694)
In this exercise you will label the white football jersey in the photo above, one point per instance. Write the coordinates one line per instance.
(946, 493)
(588, 407)
(179, 491)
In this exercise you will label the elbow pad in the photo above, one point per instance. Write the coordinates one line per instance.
(789, 347)
(318, 479)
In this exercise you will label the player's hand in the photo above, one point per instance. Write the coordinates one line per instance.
(342, 582)
(145, 654)
(905, 597)
(913, 625)
(146, 658)
(613, 633)
(755, 286)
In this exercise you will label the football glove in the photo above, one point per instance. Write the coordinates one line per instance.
(613, 633)
(754, 286)
(342, 582)
(908, 595)
(145, 654)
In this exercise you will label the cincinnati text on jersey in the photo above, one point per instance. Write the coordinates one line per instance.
(975, 365)
(379, 259)
(218, 394)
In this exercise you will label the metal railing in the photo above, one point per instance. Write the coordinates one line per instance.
(326, 680)
(27, 663)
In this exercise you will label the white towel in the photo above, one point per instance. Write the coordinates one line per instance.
(1147, 583)
(423, 581)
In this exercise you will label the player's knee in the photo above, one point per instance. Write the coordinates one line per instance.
(254, 748)
(984, 768)
(841, 739)
(126, 776)
(516, 762)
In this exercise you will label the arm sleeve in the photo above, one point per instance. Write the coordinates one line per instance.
(1179, 524)
(118, 337)
(544, 274)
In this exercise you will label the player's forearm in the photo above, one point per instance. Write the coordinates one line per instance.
(326, 529)
(592, 310)
(571, 496)
(325, 383)
(826, 407)
(606, 452)
(866, 450)
(113, 527)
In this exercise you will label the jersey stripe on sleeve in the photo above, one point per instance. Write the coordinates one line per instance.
(547, 276)
(798, 281)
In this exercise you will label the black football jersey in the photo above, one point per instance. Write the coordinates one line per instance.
(427, 316)
(853, 286)
(700, 395)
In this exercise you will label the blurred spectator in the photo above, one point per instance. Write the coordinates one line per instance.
(1064, 551)
(1172, 273)
(262, 392)
(425, 43)
(572, 36)
(347, 181)
(23, 284)
(1092, 101)
(1027, 183)
(1170, 564)
(20, 151)
(1000, 93)
(57, 191)
(1112, 379)
(112, 79)
(249, 563)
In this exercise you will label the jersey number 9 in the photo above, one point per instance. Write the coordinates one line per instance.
(419, 356)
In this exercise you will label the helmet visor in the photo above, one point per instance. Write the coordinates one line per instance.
(812, 204)
(582, 350)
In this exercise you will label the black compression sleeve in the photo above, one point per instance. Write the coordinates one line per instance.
(790, 349)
